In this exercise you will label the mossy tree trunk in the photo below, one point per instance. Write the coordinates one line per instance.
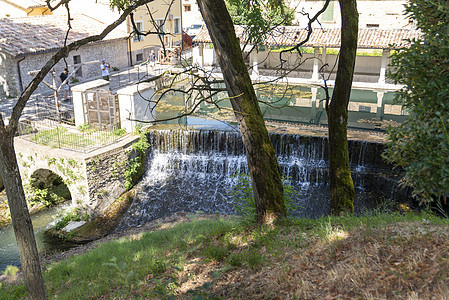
(341, 184)
(262, 162)
(9, 169)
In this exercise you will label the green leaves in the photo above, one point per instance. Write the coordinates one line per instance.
(421, 145)
(260, 15)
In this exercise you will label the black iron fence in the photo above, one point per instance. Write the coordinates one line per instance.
(50, 132)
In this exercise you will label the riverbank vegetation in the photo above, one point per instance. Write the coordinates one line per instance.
(399, 255)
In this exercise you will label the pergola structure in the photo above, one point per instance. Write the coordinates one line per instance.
(385, 40)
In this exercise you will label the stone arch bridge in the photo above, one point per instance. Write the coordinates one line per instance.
(94, 179)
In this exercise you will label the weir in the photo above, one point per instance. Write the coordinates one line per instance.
(194, 171)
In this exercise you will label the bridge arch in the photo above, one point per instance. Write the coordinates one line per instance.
(49, 187)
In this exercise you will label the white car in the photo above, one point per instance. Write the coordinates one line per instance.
(194, 29)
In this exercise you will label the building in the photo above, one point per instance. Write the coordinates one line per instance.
(23, 8)
(382, 14)
(162, 20)
(191, 14)
(158, 16)
(28, 43)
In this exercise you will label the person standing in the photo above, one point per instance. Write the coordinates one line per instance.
(65, 83)
(105, 69)
(152, 60)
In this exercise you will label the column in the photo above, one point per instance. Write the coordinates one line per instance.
(324, 58)
(380, 105)
(383, 66)
(316, 53)
(255, 60)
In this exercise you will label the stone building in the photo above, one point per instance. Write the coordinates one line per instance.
(28, 43)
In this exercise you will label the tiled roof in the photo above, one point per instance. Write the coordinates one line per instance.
(373, 38)
(20, 36)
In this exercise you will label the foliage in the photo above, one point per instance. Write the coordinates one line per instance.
(48, 196)
(161, 263)
(136, 165)
(84, 127)
(243, 198)
(119, 131)
(261, 15)
(10, 270)
(421, 143)
(73, 215)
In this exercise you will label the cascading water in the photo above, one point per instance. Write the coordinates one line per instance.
(193, 171)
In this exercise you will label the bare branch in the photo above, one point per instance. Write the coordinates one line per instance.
(32, 86)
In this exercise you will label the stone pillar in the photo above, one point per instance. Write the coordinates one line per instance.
(136, 104)
(380, 105)
(314, 110)
(255, 60)
(316, 62)
(78, 92)
(383, 66)
(324, 58)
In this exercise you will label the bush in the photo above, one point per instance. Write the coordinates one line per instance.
(421, 143)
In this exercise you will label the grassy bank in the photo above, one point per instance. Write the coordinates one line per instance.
(377, 256)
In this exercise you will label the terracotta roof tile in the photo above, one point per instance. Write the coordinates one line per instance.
(373, 38)
(20, 36)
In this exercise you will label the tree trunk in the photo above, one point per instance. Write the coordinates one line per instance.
(20, 216)
(262, 162)
(341, 185)
(9, 169)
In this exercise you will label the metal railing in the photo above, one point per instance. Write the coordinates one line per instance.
(59, 135)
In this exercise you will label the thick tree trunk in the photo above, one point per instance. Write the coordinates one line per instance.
(9, 169)
(262, 162)
(341, 185)
(20, 216)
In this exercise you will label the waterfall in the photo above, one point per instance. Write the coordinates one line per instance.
(194, 170)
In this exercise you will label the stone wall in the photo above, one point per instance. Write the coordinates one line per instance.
(105, 175)
(115, 52)
(94, 180)
(33, 158)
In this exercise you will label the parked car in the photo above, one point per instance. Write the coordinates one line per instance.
(194, 29)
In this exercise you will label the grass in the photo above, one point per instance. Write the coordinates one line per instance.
(374, 256)
(58, 138)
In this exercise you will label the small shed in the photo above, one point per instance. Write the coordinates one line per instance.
(320, 40)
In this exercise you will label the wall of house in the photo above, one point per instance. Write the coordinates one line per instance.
(140, 49)
(192, 16)
(115, 52)
(382, 14)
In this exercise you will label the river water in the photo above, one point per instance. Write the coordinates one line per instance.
(195, 171)
(9, 254)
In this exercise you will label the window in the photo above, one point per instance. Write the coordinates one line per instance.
(139, 27)
(139, 57)
(177, 26)
(77, 60)
(187, 7)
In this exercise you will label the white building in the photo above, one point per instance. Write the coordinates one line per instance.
(190, 14)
